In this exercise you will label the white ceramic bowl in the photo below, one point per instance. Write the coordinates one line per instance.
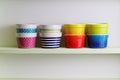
(50, 34)
(26, 34)
(50, 26)
(26, 25)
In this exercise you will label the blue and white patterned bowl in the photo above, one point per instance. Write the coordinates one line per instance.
(55, 46)
(30, 30)
(50, 42)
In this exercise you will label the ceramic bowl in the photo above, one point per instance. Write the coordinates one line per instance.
(97, 41)
(51, 42)
(19, 30)
(26, 42)
(97, 28)
(74, 41)
(74, 29)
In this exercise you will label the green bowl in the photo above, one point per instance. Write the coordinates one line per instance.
(97, 28)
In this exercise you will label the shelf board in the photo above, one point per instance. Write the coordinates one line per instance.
(59, 79)
(8, 50)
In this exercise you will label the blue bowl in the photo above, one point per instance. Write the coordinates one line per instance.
(97, 41)
(26, 30)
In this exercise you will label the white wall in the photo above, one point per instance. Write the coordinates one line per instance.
(59, 12)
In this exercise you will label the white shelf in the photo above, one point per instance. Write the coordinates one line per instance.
(59, 79)
(59, 51)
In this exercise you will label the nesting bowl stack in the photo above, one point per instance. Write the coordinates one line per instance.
(26, 35)
(50, 36)
(97, 35)
(74, 35)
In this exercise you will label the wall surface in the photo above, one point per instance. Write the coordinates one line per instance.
(59, 12)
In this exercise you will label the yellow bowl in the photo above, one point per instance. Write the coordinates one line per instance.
(97, 28)
(74, 28)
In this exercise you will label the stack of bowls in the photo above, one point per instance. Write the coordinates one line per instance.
(74, 35)
(97, 35)
(26, 35)
(50, 36)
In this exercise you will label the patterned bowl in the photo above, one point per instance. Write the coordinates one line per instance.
(26, 42)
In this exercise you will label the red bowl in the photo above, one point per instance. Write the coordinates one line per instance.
(74, 41)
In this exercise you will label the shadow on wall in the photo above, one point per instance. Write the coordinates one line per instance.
(8, 36)
(38, 38)
(62, 39)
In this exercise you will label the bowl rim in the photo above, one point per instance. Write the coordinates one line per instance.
(74, 24)
(97, 24)
(52, 26)
(59, 34)
(28, 25)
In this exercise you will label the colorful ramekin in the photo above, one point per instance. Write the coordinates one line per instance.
(50, 42)
(74, 29)
(26, 42)
(50, 28)
(97, 28)
(74, 41)
(97, 41)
